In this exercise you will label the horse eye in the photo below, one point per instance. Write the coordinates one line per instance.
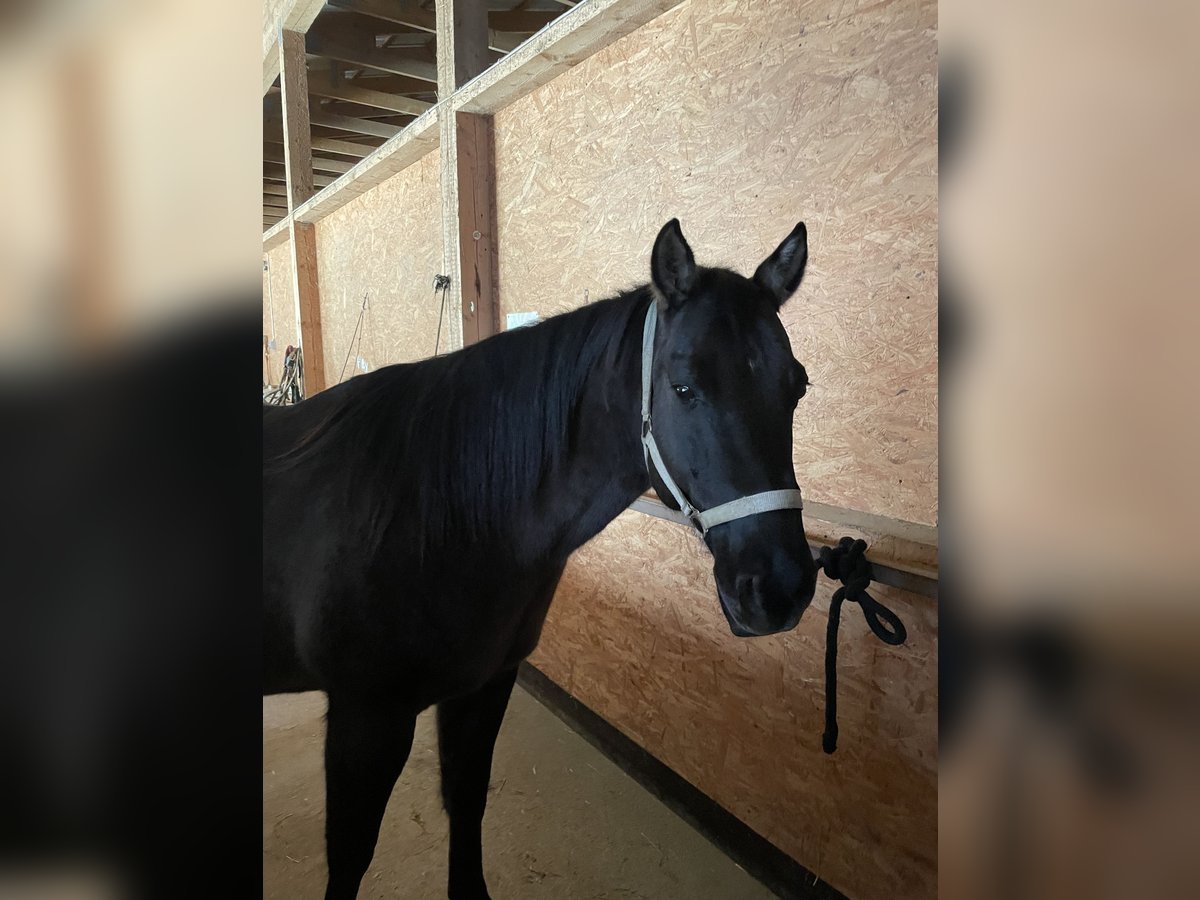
(682, 391)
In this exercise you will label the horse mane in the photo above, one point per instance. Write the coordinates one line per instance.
(457, 442)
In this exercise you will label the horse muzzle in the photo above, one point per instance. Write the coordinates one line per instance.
(756, 607)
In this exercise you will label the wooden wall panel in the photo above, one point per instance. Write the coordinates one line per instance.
(279, 307)
(637, 634)
(741, 119)
(387, 242)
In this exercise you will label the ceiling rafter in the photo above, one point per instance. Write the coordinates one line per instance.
(372, 68)
(394, 61)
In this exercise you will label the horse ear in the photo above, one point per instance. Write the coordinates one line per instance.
(780, 273)
(672, 266)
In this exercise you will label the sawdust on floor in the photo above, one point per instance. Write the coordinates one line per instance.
(563, 822)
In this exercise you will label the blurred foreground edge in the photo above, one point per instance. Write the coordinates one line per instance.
(129, 632)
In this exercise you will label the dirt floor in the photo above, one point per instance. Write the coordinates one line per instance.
(562, 821)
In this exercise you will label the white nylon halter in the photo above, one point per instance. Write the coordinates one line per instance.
(717, 515)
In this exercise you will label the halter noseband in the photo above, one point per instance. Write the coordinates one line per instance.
(703, 520)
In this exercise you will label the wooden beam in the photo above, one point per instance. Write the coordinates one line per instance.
(361, 126)
(392, 61)
(319, 164)
(275, 189)
(297, 134)
(476, 178)
(566, 42)
(336, 166)
(301, 13)
(390, 84)
(328, 144)
(411, 144)
(521, 20)
(469, 39)
(276, 235)
(410, 14)
(346, 148)
(319, 86)
(354, 111)
(270, 62)
(280, 178)
(398, 12)
(906, 548)
(308, 304)
(505, 41)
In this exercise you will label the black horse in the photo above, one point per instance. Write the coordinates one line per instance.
(417, 519)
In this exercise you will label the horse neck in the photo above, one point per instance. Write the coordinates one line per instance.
(605, 469)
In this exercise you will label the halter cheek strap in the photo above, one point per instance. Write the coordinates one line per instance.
(703, 520)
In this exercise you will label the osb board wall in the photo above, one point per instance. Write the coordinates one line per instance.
(637, 634)
(742, 118)
(386, 244)
(279, 307)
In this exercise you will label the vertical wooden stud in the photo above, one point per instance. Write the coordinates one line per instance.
(297, 135)
(297, 157)
(308, 304)
(476, 175)
(467, 175)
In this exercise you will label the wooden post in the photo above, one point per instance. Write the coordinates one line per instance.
(476, 175)
(298, 169)
(297, 134)
(470, 39)
(468, 174)
(308, 304)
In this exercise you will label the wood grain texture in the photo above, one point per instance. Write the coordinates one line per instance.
(636, 633)
(297, 134)
(742, 119)
(394, 156)
(274, 236)
(386, 243)
(307, 291)
(470, 39)
(565, 42)
(477, 226)
(279, 307)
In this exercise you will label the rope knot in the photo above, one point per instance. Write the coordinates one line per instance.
(847, 563)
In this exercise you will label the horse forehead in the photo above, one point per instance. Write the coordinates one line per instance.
(733, 337)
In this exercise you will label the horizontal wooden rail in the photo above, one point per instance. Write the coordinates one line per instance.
(914, 577)
(379, 165)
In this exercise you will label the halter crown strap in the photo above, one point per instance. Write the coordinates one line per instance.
(703, 520)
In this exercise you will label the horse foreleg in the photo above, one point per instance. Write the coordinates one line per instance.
(366, 747)
(467, 728)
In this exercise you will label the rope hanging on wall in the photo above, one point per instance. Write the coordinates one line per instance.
(847, 563)
(291, 385)
(358, 333)
(440, 283)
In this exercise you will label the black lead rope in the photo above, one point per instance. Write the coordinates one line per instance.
(848, 564)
